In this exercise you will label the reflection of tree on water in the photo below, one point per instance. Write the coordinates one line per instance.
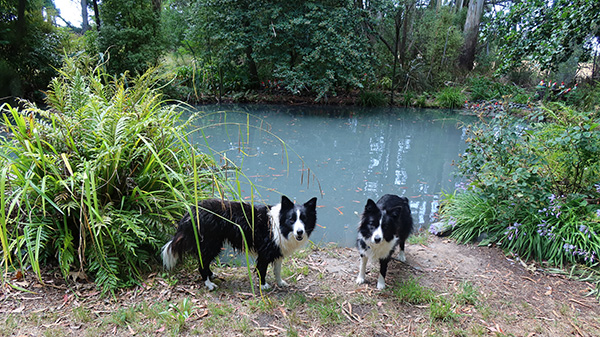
(413, 160)
(355, 157)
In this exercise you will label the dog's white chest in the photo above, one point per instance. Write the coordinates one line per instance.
(376, 251)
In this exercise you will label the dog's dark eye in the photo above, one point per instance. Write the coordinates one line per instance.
(373, 224)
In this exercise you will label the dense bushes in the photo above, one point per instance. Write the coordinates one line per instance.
(532, 186)
(92, 182)
(130, 32)
(451, 98)
(31, 48)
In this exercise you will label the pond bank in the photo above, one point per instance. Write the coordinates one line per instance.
(477, 291)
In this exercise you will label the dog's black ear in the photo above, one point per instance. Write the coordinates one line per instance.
(311, 204)
(370, 206)
(286, 203)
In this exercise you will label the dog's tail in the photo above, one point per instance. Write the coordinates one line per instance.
(169, 256)
(174, 249)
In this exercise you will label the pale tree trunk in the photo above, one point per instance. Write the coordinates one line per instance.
(467, 58)
(84, 16)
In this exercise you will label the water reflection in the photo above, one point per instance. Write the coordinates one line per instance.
(354, 154)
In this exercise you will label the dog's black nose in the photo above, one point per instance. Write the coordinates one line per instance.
(300, 232)
(377, 240)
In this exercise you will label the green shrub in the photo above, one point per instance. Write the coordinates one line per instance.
(421, 101)
(484, 88)
(372, 98)
(481, 89)
(529, 186)
(407, 99)
(523, 77)
(94, 181)
(470, 215)
(451, 98)
(586, 97)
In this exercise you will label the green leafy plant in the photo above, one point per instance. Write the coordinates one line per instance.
(532, 188)
(180, 313)
(372, 98)
(407, 98)
(450, 98)
(94, 181)
(485, 88)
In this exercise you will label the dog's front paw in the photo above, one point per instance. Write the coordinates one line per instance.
(265, 286)
(211, 286)
(381, 282)
(401, 257)
(360, 280)
(282, 283)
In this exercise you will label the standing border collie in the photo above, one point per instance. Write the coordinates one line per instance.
(270, 234)
(383, 226)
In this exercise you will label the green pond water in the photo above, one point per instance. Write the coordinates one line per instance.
(342, 155)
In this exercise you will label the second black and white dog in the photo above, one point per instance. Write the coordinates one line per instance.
(383, 226)
(270, 233)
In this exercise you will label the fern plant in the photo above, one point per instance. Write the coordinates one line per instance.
(92, 181)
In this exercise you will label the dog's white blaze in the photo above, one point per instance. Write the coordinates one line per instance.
(290, 244)
(299, 225)
(377, 235)
(169, 258)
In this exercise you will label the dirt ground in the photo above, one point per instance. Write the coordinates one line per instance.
(511, 299)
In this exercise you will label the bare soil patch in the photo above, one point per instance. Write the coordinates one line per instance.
(512, 299)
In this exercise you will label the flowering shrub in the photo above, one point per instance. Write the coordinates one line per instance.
(566, 231)
(532, 187)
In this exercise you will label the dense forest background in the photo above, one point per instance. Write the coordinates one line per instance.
(383, 51)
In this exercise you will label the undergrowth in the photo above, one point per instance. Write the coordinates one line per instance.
(532, 188)
(92, 183)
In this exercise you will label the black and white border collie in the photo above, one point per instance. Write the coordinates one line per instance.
(383, 226)
(271, 233)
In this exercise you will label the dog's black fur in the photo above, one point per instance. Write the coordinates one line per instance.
(270, 233)
(383, 226)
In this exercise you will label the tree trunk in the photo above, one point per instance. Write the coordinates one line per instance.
(96, 14)
(84, 16)
(467, 57)
(254, 82)
(20, 25)
(405, 30)
(395, 66)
